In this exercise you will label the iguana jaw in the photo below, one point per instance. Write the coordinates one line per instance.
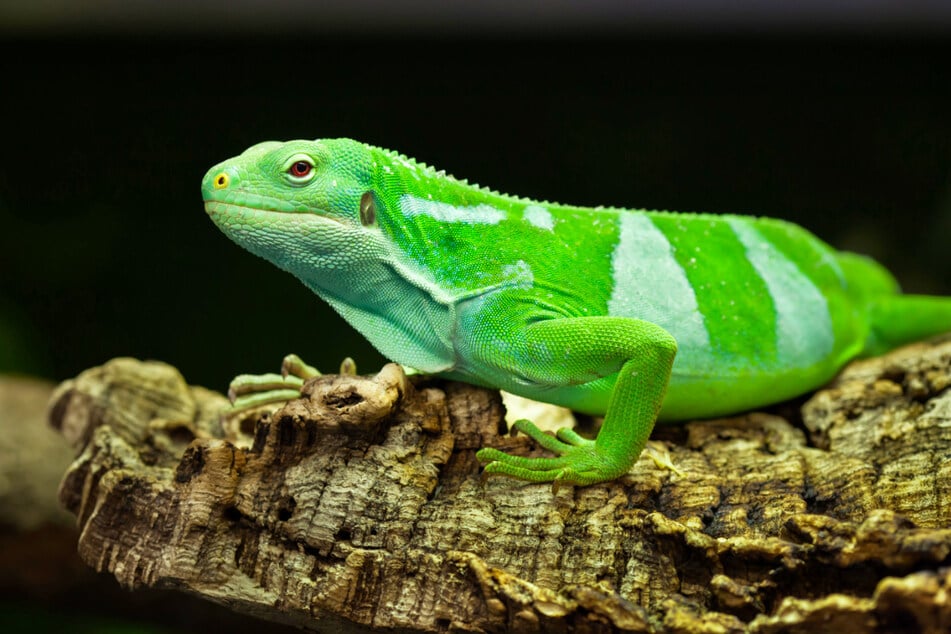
(227, 213)
(312, 246)
(303, 243)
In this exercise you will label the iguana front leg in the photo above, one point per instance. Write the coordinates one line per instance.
(571, 357)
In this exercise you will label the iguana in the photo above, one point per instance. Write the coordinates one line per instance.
(636, 315)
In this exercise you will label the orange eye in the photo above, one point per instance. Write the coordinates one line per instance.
(300, 169)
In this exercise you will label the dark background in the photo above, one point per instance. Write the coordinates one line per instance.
(105, 249)
(843, 126)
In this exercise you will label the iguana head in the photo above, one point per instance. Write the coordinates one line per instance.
(306, 206)
(318, 209)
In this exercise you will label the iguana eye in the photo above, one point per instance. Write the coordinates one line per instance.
(299, 169)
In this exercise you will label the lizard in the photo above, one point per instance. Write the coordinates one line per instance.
(635, 315)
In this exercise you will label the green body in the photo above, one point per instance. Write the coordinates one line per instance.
(631, 314)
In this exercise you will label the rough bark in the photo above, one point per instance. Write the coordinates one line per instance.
(40, 571)
(361, 506)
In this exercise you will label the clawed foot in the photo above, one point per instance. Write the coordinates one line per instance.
(253, 391)
(579, 461)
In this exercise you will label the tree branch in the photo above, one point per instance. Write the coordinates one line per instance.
(361, 506)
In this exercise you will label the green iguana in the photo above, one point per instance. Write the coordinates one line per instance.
(632, 314)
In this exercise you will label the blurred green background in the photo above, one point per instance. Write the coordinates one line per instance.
(105, 249)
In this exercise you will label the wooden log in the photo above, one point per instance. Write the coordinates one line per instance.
(360, 506)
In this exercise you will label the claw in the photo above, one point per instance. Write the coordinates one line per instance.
(578, 460)
(293, 365)
(253, 391)
(245, 384)
(657, 452)
(348, 367)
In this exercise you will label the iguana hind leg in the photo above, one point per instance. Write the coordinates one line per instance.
(580, 351)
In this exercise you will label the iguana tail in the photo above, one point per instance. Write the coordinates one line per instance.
(894, 318)
(900, 319)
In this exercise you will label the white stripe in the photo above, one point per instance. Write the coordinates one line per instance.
(518, 275)
(650, 284)
(803, 325)
(539, 217)
(444, 212)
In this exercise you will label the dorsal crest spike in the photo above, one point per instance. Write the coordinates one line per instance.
(441, 173)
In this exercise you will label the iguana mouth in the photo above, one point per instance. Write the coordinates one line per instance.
(221, 208)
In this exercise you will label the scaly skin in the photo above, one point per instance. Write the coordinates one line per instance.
(631, 314)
